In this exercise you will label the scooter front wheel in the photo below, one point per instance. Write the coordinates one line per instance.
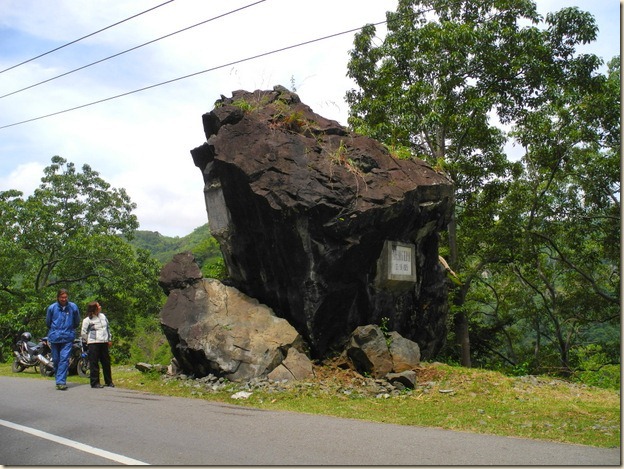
(17, 367)
(83, 367)
(46, 370)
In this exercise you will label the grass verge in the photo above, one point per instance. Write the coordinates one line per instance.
(453, 398)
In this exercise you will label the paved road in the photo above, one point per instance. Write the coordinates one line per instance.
(82, 426)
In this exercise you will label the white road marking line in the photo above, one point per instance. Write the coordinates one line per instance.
(74, 444)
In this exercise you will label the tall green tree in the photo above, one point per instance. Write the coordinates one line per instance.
(440, 83)
(569, 259)
(71, 233)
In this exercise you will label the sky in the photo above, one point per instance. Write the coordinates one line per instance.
(141, 142)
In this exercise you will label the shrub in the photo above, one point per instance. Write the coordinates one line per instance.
(594, 368)
(607, 377)
(149, 343)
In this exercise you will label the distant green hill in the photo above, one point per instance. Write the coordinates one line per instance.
(200, 242)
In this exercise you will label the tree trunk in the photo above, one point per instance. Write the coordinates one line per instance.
(460, 320)
(463, 338)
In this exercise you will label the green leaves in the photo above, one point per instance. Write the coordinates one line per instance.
(69, 234)
(440, 82)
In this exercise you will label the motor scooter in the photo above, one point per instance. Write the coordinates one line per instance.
(78, 361)
(28, 353)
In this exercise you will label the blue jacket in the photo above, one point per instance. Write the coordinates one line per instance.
(62, 322)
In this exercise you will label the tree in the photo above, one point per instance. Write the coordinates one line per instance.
(431, 86)
(71, 233)
(445, 75)
(569, 260)
(200, 242)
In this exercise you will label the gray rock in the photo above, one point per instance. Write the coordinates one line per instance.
(374, 353)
(214, 328)
(147, 367)
(405, 353)
(369, 352)
(173, 368)
(296, 366)
(180, 272)
(405, 379)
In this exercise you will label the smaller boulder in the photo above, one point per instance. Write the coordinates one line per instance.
(403, 380)
(174, 368)
(405, 353)
(214, 328)
(373, 352)
(180, 273)
(369, 352)
(147, 367)
(296, 366)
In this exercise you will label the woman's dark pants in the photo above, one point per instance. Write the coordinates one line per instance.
(98, 353)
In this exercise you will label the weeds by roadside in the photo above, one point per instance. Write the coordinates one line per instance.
(446, 397)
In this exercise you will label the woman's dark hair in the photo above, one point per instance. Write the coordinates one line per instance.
(92, 308)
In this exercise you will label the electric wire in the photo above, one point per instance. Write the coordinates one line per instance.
(131, 49)
(84, 37)
(264, 54)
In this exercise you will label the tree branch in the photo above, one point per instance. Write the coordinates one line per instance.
(577, 269)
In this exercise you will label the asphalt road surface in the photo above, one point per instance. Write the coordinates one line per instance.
(82, 426)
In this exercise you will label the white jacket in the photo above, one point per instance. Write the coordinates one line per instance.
(95, 330)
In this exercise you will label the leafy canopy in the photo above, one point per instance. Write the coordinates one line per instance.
(71, 233)
(534, 241)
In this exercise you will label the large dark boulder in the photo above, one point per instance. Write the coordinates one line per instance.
(311, 217)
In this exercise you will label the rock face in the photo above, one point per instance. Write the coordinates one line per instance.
(324, 225)
(215, 329)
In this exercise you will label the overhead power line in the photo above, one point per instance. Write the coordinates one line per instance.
(84, 37)
(131, 49)
(188, 76)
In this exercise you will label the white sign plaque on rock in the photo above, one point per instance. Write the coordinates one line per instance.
(396, 267)
(402, 258)
(219, 220)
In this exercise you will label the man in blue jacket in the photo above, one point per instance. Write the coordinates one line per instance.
(62, 319)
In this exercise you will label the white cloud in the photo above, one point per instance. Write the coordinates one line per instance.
(142, 142)
(25, 178)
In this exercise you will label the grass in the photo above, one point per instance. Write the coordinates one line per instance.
(447, 397)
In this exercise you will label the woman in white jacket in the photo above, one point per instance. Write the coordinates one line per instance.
(96, 333)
